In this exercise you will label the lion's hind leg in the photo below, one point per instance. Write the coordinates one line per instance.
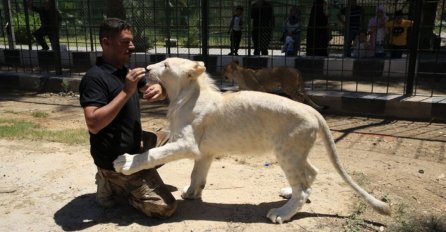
(300, 175)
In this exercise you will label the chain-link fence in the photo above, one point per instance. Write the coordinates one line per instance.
(337, 45)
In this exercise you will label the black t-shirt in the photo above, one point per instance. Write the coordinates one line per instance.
(99, 86)
(262, 15)
(355, 17)
(48, 17)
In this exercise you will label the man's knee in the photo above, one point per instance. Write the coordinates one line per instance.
(152, 196)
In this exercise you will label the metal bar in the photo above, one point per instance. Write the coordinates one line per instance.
(413, 47)
(205, 28)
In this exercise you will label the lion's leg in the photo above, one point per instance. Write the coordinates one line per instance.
(198, 178)
(300, 175)
(311, 176)
(294, 91)
(129, 164)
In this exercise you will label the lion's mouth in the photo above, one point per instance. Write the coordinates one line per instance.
(150, 77)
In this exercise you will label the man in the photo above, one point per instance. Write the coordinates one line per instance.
(50, 19)
(110, 100)
(262, 15)
(355, 14)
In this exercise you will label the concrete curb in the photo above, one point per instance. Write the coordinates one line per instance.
(39, 83)
(417, 108)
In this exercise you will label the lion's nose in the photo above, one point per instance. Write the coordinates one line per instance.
(147, 70)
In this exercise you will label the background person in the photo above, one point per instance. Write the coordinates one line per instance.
(292, 28)
(262, 15)
(110, 99)
(377, 31)
(354, 14)
(361, 46)
(50, 19)
(235, 30)
(397, 30)
(317, 30)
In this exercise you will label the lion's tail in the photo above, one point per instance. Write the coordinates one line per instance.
(380, 206)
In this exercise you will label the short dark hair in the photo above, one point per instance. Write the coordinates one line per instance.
(111, 27)
(239, 8)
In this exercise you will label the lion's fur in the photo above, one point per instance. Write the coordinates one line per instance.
(288, 79)
(205, 123)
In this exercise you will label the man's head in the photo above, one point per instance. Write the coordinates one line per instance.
(116, 41)
(398, 16)
(239, 10)
(48, 4)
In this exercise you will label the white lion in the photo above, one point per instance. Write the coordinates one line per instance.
(204, 123)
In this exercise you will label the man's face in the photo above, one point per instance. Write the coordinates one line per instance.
(120, 48)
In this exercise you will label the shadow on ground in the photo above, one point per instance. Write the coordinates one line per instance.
(83, 212)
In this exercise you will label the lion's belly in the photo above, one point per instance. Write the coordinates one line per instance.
(255, 123)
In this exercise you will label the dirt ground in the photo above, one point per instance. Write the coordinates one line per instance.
(48, 186)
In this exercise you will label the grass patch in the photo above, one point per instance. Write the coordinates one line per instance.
(21, 129)
(39, 114)
(420, 223)
(11, 112)
(354, 223)
(360, 178)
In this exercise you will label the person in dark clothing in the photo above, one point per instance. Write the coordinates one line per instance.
(317, 30)
(291, 31)
(235, 30)
(50, 19)
(355, 14)
(110, 94)
(262, 15)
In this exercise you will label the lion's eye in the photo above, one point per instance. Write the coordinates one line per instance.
(166, 65)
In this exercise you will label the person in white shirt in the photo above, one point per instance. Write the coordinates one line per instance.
(377, 31)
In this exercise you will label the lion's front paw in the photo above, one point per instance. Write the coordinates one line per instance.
(189, 193)
(123, 164)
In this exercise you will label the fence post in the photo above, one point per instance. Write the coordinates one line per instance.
(28, 29)
(10, 26)
(205, 32)
(90, 31)
(413, 46)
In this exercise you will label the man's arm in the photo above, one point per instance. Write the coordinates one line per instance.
(98, 118)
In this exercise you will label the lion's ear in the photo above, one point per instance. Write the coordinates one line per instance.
(197, 69)
(235, 64)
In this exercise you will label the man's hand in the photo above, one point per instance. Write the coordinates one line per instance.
(154, 92)
(131, 80)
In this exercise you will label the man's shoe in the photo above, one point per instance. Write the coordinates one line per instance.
(104, 194)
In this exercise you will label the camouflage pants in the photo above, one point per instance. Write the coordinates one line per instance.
(144, 190)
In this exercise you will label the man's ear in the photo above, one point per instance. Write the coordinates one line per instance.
(197, 69)
(105, 41)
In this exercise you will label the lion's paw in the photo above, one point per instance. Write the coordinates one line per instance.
(123, 164)
(278, 215)
(189, 193)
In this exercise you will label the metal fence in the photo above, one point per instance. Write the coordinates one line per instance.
(199, 30)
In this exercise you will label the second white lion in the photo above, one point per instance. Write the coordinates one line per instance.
(205, 123)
